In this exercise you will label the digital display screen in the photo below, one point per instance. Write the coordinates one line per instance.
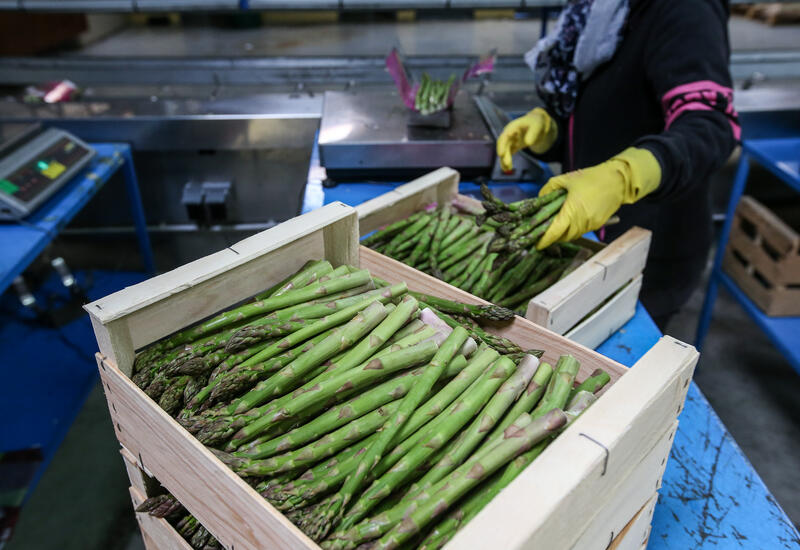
(33, 177)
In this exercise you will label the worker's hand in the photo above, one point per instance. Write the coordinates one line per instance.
(595, 194)
(535, 130)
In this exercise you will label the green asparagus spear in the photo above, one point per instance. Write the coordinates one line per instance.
(436, 436)
(390, 230)
(291, 376)
(524, 295)
(407, 234)
(486, 421)
(328, 519)
(559, 387)
(263, 307)
(436, 242)
(478, 312)
(309, 273)
(593, 384)
(423, 245)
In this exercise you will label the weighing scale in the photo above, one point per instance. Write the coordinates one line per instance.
(34, 164)
(370, 135)
(365, 135)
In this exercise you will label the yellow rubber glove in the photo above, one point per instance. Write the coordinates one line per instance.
(535, 130)
(595, 194)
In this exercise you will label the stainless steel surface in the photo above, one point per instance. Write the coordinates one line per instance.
(269, 183)
(525, 165)
(235, 71)
(252, 123)
(771, 66)
(367, 131)
(12, 135)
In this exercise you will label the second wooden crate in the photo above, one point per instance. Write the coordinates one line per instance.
(570, 307)
(763, 257)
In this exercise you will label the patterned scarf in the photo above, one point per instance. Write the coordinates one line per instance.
(586, 35)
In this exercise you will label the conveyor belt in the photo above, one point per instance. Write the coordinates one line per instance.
(318, 70)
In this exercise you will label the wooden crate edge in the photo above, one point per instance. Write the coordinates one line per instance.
(437, 186)
(637, 532)
(132, 298)
(631, 494)
(522, 331)
(192, 473)
(157, 532)
(563, 305)
(597, 328)
(601, 443)
(132, 318)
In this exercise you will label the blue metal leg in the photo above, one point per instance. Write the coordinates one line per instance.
(137, 210)
(739, 182)
(545, 15)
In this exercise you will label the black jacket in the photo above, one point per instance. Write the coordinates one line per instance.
(667, 89)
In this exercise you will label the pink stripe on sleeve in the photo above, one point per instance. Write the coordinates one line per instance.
(699, 86)
(694, 106)
(703, 95)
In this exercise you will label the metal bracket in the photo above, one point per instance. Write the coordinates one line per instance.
(605, 460)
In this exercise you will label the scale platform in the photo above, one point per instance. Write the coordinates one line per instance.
(366, 135)
(34, 164)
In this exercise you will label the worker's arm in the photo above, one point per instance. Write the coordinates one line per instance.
(687, 64)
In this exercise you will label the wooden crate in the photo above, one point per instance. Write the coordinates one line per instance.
(774, 13)
(158, 534)
(763, 257)
(592, 465)
(565, 305)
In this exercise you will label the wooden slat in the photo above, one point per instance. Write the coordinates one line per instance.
(239, 517)
(438, 186)
(139, 480)
(563, 305)
(785, 271)
(774, 302)
(637, 532)
(157, 533)
(782, 238)
(616, 509)
(595, 329)
(141, 314)
(523, 332)
(590, 457)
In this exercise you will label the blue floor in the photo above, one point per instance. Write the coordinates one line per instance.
(47, 373)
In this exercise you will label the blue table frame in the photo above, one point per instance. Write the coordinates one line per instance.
(46, 378)
(711, 496)
(782, 158)
(21, 243)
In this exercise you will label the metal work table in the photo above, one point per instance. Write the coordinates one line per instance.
(711, 496)
(21, 243)
(779, 156)
(42, 385)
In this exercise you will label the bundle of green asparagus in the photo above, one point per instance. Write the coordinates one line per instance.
(166, 506)
(361, 412)
(433, 95)
(489, 251)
